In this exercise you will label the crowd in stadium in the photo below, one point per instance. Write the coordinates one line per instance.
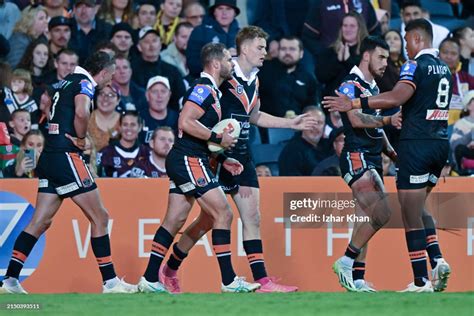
(313, 45)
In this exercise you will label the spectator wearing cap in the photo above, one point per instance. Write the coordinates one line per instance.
(149, 64)
(158, 93)
(133, 96)
(116, 11)
(175, 53)
(104, 121)
(168, 19)
(32, 25)
(194, 13)
(59, 33)
(330, 166)
(306, 149)
(220, 26)
(55, 8)
(122, 37)
(87, 30)
(285, 86)
(145, 14)
(9, 15)
(64, 63)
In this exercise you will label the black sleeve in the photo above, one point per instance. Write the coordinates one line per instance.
(311, 32)
(289, 161)
(4, 46)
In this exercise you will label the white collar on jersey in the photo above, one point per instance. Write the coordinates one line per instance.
(82, 71)
(356, 70)
(431, 51)
(239, 73)
(208, 76)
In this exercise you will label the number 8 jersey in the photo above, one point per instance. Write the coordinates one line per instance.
(425, 114)
(62, 112)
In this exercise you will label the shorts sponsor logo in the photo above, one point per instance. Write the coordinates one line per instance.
(187, 187)
(433, 178)
(419, 179)
(87, 182)
(65, 189)
(437, 115)
(172, 185)
(347, 178)
(53, 128)
(43, 183)
(201, 182)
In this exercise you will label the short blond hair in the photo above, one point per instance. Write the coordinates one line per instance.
(249, 33)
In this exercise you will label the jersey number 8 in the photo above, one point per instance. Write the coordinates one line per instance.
(53, 107)
(442, 100)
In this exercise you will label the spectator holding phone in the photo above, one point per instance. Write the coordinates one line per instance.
(24, 166)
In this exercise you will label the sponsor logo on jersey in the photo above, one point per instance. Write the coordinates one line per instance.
(117, 162)
(87, 88)
(53, 128)
(199, 94)
(437, 115)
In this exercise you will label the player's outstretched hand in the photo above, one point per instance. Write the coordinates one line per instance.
(396, 120)
(341, 103)
(228, 140)
(303, 122)
(233, 166)
(78, 142)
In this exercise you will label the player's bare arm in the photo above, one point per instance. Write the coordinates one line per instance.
(400, 94)
(262, 119)
(362, 120)
(81, 119)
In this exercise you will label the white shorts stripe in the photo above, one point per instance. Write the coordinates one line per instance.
(189, 170)
(78, 180)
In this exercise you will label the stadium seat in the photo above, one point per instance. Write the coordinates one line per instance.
(267, 154)
(437, 7)
(279, 135)
(254, 135)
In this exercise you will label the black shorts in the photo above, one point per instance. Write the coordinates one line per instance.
(355, 164)
(189, 175)
(420, 163)
(248, 178)
(64, 174)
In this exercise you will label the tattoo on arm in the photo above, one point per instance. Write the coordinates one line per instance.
(370, 120)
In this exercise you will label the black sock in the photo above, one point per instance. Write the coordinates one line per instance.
(101, 248)
(352, 252)
(161, 242)
(21, 250)
(254, 250)
(358, 270)
(176, 258)
(416, 242)
(432, 246)
(221, 246)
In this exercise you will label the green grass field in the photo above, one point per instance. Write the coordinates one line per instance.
(385, 303)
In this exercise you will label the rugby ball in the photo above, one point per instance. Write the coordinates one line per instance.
(233, 128)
